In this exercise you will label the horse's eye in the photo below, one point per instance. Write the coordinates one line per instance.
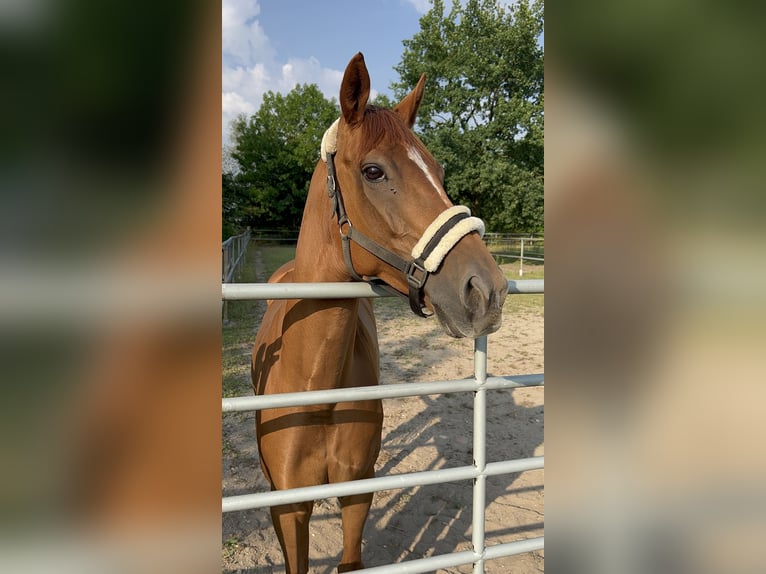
(373, 173)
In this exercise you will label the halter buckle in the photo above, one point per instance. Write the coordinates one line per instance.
(413, 280)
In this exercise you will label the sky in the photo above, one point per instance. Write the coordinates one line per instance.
(276, 44)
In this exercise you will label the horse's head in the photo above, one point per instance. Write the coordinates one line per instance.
(393, 193)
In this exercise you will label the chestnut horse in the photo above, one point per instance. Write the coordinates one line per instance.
(405, 232)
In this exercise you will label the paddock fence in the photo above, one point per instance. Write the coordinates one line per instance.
(477, 472)
(232, 254)
(505, 246)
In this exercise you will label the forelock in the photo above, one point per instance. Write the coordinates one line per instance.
(384, 126)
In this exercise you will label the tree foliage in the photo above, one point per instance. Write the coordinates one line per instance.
(276, 150)
(482, 118)
(482, 114)
(234, 203)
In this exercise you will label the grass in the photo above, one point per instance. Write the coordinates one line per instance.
(274, 256)
(230, 546)
(524, 303)
(228, 448)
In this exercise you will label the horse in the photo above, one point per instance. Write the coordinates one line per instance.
(376, 210)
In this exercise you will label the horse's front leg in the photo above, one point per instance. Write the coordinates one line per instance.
(291, 521)
(354, 510)
(355, 446)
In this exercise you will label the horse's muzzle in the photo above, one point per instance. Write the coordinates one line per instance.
(470, 305)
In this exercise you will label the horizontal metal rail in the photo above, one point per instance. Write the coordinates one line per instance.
(491, 237)
(519, 256)
(388, 482)
(246, 291)
(303, 398)
(433, 563)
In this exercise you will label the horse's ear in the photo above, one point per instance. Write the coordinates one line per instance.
(408, 107)
(354, 90)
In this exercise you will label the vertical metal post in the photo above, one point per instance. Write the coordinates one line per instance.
(521, 259)
(225, 310)
(479, 451)
(237, 254)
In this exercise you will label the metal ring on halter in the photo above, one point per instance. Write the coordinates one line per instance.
(344, 221)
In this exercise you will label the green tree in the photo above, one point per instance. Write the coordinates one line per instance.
(276, 151)
(382, 101)
(482, 114)
(234, 202)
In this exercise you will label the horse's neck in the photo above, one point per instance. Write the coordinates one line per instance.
(318, 256)
(331, 324)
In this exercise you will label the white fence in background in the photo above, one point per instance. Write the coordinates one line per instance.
(478, 472)
(510, 246)
(504, 246)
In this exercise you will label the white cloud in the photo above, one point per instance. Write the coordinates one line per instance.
(234, 104)
(251, 65)
(234, 13)
(422, 6)
(310, 71)
(242, 89)
(244, 42)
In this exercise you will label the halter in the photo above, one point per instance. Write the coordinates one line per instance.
(437, 240)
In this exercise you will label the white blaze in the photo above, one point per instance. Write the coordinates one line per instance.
(415, 156)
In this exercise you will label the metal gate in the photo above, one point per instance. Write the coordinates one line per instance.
(477, 472)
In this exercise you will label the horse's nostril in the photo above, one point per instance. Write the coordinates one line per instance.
(476, 294)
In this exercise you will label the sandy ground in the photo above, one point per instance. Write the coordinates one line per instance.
(419, 433)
